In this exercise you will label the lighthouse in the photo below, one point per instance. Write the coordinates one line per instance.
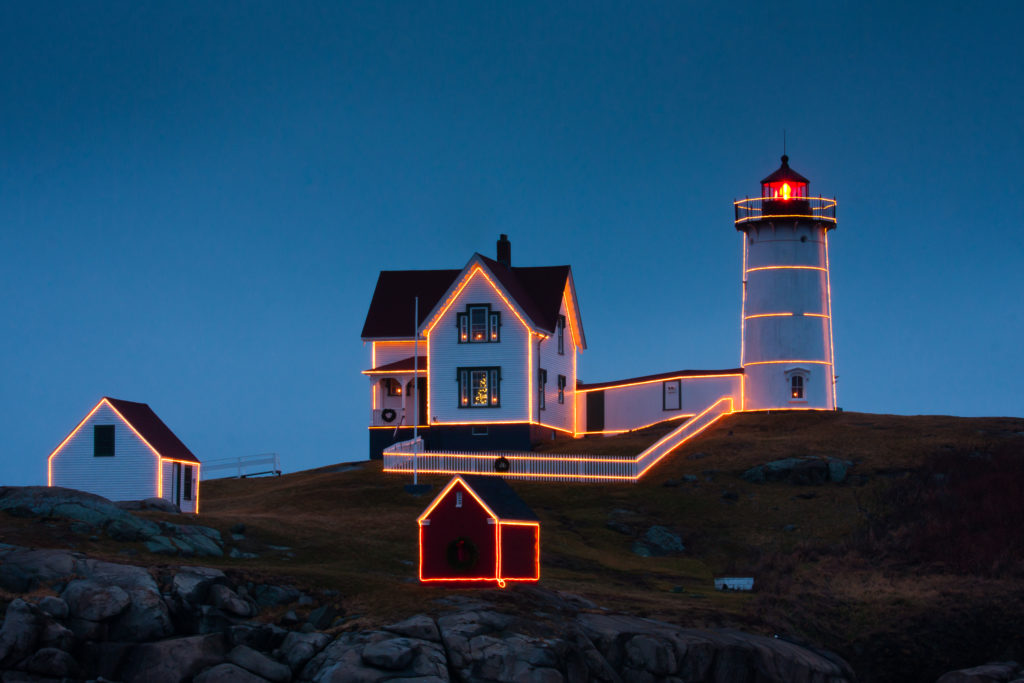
(786, 348)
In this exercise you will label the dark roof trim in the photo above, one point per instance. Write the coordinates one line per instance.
(151, 428)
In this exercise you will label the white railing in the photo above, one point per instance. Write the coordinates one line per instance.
(398, 458)
(244, 466)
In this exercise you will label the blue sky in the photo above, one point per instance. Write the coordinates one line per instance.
(195, 198)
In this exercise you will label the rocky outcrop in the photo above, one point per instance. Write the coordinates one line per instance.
(91, 514)
(994, 672)
(806, 470)
(122, 622)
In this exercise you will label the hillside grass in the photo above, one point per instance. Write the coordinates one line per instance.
(854, 567)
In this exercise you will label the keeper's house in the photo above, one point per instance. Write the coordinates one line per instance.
(121, 450)
(478, 529)
(495, 364)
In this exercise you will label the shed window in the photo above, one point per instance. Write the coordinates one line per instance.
(188, 482)
(458, 499)
(103, 441)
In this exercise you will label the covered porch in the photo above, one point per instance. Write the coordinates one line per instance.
(396, 389)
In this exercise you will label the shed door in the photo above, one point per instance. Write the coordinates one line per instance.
(176, 484)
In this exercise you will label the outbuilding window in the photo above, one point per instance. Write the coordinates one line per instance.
(103, 441)
(479, 387)
(188, 482)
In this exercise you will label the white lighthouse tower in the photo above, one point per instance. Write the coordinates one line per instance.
(786, 348)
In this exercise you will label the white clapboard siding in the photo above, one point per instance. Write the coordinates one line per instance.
(634, 406)
(131, 474)
(555, 415)
(446, 355)
(389, 352)
(168, 470)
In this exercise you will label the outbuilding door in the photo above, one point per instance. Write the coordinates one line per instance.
(176, 484)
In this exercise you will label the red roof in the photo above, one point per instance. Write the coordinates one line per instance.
(142, 418)
(580, 386)
(537, 291)
(404, 365)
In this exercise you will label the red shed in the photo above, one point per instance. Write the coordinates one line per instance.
(478, 529)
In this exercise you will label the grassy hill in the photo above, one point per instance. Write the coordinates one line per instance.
(909, 568)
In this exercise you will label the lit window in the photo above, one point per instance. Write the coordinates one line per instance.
(560, 328)
(478, 387)
(478, 324)
(796, 385)
(393, 386)
(103, 441)
(542, 380)
(561, 388)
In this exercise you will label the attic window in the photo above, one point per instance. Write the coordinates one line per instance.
(479, 325)
(560, 326)
(103, 441)
(458, 499)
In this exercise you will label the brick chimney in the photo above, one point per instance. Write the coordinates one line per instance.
(505, 252)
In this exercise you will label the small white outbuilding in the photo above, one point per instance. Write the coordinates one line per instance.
(121, 450)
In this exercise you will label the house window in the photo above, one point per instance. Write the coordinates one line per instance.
(560, 329)
(458, 499)
(103, 441)
(796, 387)
(542, 380)
(478, 324)
(393, 386)
(479, 387)
(561, 388)
(188, 482)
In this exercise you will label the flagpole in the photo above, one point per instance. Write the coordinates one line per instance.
(415, 388)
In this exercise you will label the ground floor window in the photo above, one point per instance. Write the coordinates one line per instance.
(479, 387)
(561, 388)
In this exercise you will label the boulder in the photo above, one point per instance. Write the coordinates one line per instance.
(222, 597)
(161, 545)
(299, 648)
(191, 584)
(801, 471)
(420, 627)
(89, 600)
(259, 664)
(25, 570)
(658, 541)
(147, 617)
(55, 607)
(271, 596)
(53, 663)
(19, 633)
(322, 617)
(227, 673)
(392, 654)
(993, 672)
(104, 659)
(175, 659)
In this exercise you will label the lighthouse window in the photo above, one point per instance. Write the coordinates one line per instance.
(796, 383)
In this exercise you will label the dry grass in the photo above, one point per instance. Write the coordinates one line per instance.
(354, 531)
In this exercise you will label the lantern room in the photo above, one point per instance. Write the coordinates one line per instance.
(785, 183)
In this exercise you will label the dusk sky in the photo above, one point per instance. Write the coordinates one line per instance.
(196, 197)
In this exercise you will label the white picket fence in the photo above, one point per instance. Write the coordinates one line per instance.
(402, 457)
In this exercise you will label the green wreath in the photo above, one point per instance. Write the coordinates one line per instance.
(462, 554)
